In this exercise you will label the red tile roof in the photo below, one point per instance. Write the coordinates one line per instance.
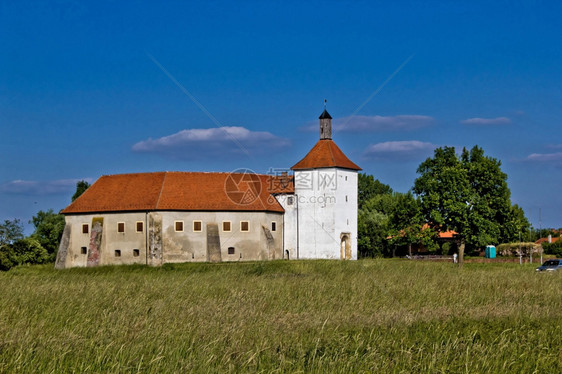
(554, 239)
(189, 191)
(442, 235)
(325, 154)
(281, 184)
(447, 234)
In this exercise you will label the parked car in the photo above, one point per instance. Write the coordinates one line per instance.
(551, 265)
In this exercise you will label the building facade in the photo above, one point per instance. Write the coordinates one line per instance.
(167, 217)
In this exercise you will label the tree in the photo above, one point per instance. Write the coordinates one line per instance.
(467, 194)
(372, 229)
(49, 227)
(369, 187)
(515, 225)
(81, 187)
(378, 229)
(407, 225)
(375, 206)
(10, 231)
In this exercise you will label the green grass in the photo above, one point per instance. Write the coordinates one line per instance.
(298, 316)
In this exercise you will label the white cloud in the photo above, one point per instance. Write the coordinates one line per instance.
(402, 122)
(203, 142)
(545, 157)
(408, 149)
(54, 187)
(487, 121)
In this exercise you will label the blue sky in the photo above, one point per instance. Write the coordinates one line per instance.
(96, 88)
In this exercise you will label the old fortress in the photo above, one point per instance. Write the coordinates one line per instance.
(166, 217)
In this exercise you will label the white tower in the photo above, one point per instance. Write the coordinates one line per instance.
(326, 196)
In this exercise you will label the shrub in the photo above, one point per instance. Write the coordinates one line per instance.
(553, 248)
(22, 251)
(512, 249)
(6, 255)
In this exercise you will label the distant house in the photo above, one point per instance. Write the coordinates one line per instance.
(442, 238)
(167, 217)
(548, 239)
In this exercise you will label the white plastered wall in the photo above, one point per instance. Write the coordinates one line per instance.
(326, 208)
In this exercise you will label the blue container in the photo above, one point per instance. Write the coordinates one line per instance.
(490, 251)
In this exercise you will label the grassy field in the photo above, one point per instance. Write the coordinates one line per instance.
(298, 316)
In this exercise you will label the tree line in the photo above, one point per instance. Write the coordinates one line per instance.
(465, 193)
(39, 247)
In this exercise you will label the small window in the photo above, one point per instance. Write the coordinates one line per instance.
(273, 226)
(136, 253)
(226, 226)
(197, 225)
(346, 198)
(85, 228)
(290, 200)
(178, 226)
(230, 250)
(346, 178)
(244, 226)
(121, 227)
(117, 253)
(140, 226)
(84, 250)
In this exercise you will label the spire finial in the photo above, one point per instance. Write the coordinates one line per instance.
(325, 101)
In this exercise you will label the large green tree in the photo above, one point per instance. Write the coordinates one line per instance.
(516, 226)
(467, 194)
(369, 187)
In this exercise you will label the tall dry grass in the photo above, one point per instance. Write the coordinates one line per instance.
(297, 316)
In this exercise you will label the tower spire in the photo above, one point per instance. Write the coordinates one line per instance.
(325, 124)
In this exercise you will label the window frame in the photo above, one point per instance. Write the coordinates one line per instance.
(141, 225)
(119, 224)
(229, 226)
(200, 226)
(248, 229)
(176, 226)
(86, 227)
